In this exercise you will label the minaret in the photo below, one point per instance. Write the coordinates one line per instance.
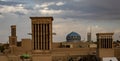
(89, 36)
(13, 37)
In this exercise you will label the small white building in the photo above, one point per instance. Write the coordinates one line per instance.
(109, 59)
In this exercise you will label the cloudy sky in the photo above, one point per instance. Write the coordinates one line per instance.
(69, 15)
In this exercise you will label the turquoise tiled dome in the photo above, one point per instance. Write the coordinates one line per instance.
(73, 37)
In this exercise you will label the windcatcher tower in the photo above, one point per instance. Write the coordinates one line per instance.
(13, 40)
(41, 33)
(41, 38)
(13, 37)
(105, 45)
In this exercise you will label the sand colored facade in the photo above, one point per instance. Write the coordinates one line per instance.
(26, 45)
(105, 44)
(41, 38)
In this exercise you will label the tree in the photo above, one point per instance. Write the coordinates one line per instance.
(71, 59)
(89, 58)
(1, 49)
(118, 41)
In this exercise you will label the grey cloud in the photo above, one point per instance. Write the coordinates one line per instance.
(0, 13)
(96, 9)
(99, 9)
(42, 1)
(83, 11)
(29, 7)
(19, 13)
(10, 3)
(27, 4)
